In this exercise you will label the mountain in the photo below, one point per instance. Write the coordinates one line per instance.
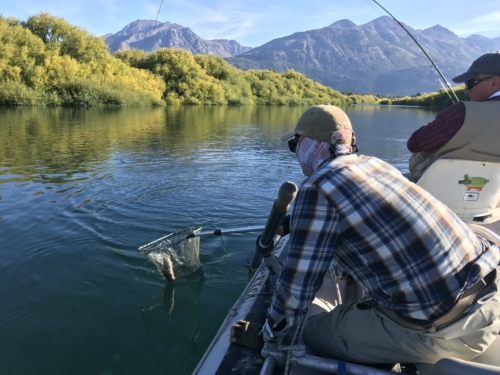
(378, 57)
(144, 35)
(485, 43)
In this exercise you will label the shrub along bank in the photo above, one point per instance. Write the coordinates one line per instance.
(434, 99)
(47, 61)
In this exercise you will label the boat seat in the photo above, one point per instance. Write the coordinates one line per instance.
(471, 189)
(490, 356)
(454, 366)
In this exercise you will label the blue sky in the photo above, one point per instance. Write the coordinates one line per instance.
(255, 22)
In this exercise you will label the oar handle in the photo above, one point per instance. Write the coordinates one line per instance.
(286, 195)
(265, 242)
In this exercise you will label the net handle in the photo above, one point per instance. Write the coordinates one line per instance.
(220, 232)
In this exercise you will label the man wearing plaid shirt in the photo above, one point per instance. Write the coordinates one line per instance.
(482, 84)
(415, 258)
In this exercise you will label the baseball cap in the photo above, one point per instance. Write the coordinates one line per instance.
(320, 122)
(486, 64)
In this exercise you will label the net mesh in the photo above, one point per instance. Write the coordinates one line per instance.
(184, 253)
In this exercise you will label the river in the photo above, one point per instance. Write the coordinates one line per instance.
(82, 189)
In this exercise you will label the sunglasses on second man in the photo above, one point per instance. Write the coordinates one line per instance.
(292, 143)
(471, 83)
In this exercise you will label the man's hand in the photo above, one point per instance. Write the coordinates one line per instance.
(247, 334)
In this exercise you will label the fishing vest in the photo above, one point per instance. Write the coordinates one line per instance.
(478, 139)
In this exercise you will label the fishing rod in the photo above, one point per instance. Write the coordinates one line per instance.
(156, 20)
(423, 50)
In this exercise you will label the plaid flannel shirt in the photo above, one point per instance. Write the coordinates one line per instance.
(397, 241)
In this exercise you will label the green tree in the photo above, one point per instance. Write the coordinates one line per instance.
(45, 60)
(62, 38)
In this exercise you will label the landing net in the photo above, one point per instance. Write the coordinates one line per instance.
(184, 253)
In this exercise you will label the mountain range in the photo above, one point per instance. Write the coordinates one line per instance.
(378, 57)
(150, 35)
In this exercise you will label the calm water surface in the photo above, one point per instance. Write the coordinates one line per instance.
(81, 190)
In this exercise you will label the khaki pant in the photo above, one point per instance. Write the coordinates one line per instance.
(368, 336)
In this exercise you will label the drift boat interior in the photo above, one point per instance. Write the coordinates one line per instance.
(470, 188)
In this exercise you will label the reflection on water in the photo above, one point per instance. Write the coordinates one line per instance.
(82, 189)
(174, 315)
(57, 144)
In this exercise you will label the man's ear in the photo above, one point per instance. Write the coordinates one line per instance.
(495, 81)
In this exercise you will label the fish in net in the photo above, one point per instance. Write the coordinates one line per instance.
(177, 255)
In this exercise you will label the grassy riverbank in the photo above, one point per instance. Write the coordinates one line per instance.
(47, 61)
(434, 99)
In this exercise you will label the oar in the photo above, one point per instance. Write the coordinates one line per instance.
(220, 232)
(265, 244)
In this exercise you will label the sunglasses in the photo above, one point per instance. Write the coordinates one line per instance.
(292, 143)
(471, 83)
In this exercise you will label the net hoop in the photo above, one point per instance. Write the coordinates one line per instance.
(183, 249)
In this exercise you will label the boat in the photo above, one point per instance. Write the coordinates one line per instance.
(470, 188)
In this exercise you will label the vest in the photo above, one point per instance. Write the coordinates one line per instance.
(478, 139)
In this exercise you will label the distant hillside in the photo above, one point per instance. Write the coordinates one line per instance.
(143, 35)
(378, 57)
(374, 58)
(488, 44)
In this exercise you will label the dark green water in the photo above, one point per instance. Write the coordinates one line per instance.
(81, 190)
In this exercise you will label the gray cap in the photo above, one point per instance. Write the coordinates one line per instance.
(486, 64)
(320, 122)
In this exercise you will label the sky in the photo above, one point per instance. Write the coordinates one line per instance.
(255, 22)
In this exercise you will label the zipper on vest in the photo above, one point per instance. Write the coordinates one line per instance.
(484, 153)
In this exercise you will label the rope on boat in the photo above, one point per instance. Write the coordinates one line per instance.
(294, 341)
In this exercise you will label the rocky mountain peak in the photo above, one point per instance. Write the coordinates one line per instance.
(149, 35)
(439, 32)
(378, 57)
(346, 24)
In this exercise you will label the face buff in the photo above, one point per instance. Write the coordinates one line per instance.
(311, 153)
